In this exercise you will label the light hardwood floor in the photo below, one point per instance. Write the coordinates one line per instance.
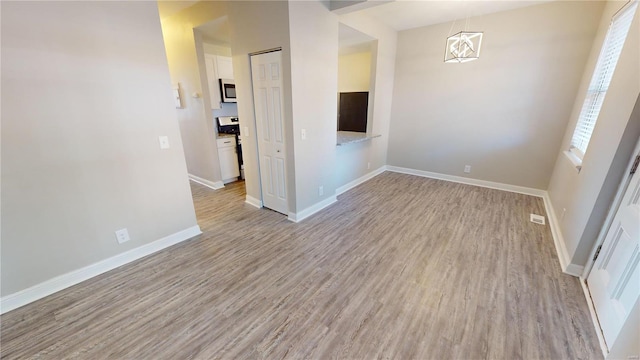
(401, 267)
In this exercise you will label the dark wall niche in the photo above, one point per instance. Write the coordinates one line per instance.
(352, 111)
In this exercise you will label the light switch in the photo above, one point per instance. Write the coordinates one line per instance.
(164, 142)
(303, 134)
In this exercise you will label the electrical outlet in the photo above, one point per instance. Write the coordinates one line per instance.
(320, 190)
(368, 166)
(122, 236)
(303, 134)
(467, 169)
(164, 142)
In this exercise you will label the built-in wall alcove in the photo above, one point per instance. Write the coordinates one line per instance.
(356, 79)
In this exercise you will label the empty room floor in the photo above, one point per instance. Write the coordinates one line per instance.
(400, 267)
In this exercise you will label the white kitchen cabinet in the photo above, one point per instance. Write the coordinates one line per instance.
(228, 159)
(218, 67)
(225, 67)
(212, 81)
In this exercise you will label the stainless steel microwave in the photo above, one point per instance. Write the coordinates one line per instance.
(228, 90)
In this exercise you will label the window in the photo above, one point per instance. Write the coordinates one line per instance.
(602, 75)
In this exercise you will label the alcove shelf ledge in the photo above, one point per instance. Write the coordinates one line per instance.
(352, 137)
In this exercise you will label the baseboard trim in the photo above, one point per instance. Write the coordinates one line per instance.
(575, 270)
(594, 318)
(253, 201)
(215, 185)
(39, 291)
(301, 215)
(469, 181)
(558, 240)
(366, 177)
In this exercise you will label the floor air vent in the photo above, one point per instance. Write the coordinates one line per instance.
(538, 219)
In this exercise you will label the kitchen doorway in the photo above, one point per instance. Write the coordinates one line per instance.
(215, 44)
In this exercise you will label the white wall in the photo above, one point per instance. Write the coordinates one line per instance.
(215, 49)
(354, 72)
(185, 55)
(314, 66)
(586, 196)
(257, 26)
(503, 114)
(314, 85)
(83, 104)
(352, 159)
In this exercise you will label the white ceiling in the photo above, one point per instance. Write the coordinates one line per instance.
(167, 7)
(404, 14)
(409, 14)
(399, 15)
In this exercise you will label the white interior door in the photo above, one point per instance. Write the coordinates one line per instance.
(266, 75)
(614, 281)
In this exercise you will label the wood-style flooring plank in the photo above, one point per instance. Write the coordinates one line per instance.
(400, 267)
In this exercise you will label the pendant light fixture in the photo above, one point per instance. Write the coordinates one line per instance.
(463, 46)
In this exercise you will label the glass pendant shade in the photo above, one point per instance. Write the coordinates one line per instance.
(463, 46)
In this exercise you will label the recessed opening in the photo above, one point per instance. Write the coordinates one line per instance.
(356, 77)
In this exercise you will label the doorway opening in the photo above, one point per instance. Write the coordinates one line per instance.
(215, 43)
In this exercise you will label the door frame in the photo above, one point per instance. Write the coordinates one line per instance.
(613, 209)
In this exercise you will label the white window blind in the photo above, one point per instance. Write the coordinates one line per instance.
(602, 75)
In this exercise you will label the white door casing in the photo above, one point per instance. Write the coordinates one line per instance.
(614, 281)
(266, 76)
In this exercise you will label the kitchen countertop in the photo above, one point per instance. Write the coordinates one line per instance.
(351, 137)
(344, 137)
